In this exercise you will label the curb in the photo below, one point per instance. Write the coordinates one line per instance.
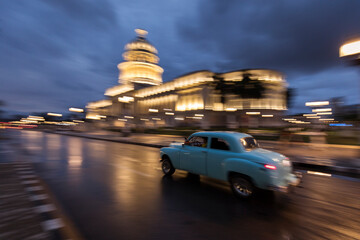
(32, 200)
(354, 172)
(336, 169)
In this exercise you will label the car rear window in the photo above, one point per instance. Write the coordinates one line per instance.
(218, 143)
(249, 143)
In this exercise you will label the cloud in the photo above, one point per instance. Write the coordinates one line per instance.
(292, 36)
(299, 38)
(57, 50)
(62, 52)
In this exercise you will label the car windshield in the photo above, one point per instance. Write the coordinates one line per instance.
(249, 143)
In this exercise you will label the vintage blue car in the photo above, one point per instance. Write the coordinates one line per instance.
(233, 157)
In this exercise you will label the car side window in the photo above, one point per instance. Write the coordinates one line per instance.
(220, 144)
(198, 142)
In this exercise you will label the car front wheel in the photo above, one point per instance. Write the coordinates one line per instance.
(241, 186)
(167, 167)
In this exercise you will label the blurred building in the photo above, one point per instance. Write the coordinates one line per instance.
(143, 99)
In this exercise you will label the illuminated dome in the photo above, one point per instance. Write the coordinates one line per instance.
(140, 49)
(140, 62)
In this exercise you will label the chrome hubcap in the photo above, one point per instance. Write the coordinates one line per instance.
(242, 187)
(166, 166)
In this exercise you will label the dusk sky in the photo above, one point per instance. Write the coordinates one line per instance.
(57, 54)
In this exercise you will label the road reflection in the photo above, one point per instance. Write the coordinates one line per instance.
(119, 189)
(53, 145)
(75, 151)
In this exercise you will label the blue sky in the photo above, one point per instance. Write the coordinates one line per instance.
(61, 53)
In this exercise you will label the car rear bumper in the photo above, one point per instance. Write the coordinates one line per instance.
(293, 180)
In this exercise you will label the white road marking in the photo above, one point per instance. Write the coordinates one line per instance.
(29, 182)
(23, 168)
(52, 224)
(6, 151)
(25, 172)
(33, 189)
(27, 176)
(44, 208)
(38, 197)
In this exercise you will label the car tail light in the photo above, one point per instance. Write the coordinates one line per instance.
(268, 166)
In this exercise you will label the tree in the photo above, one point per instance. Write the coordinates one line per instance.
(248, 87)
(222, 87)
(2, 103)
(290, 94)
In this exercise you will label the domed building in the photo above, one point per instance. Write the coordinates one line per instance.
(140, 62)
(193, 99)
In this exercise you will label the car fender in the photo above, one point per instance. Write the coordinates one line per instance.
(257, 173)
(173, 154)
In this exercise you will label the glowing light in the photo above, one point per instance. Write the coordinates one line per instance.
(117, 90)
(179, 119)
(79, 110)
(324, 113)
(129, 117)
(55, 114)
(319, 173)
(168, 109)
(322, 110)
(268, 166)
(78, 121)
(350, 48)
(169, 113)
(123, 120)
(68, 123)
(125, 99)
(230, 109)
(318, 103)
(156, 119)
(144, 119)
(98, 104)
(253, 113)
(199, 115)
(153, 110)
(326, 119)
(313, 117)
(309, 115)
(267, 115)
(92, 116)
(35, 118)
(289, 119)
(28, 121)
(141, 32)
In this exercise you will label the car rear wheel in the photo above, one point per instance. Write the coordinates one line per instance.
(167, 167)
(241, 186)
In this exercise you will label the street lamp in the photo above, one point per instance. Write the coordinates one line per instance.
(351, 52)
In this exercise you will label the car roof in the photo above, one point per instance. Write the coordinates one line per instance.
(237, 135)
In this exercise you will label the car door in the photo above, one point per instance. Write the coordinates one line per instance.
(218, 151)
(193, 155)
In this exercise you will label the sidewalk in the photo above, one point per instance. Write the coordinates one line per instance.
(27, 208)
(327, 157)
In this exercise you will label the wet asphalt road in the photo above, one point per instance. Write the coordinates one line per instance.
(117, 191)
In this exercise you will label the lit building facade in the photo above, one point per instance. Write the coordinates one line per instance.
(141, 98)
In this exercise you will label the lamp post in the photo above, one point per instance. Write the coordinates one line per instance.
(350, 51)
